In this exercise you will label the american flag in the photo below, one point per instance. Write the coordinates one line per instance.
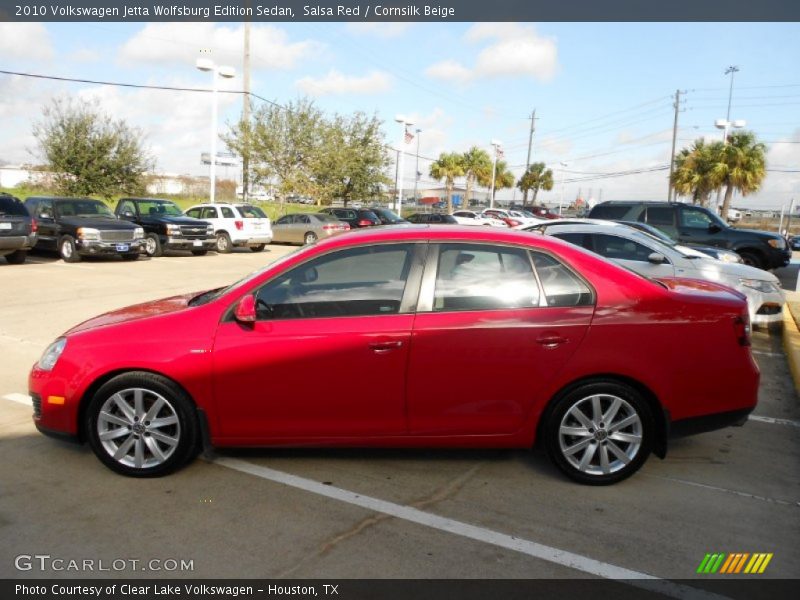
(408, 137)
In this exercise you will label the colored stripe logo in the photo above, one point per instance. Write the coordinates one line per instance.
(734, 563)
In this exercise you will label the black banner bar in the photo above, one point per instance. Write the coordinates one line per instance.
(399, 10)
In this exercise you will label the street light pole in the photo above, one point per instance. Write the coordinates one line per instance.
(561, 197)
(496, 145)
(400, 172)
(727, 124)
(416, 168)
(206, 64)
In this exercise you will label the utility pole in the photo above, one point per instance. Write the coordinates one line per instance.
(246, 113)
(416, 169)
(670, 191)
(528, 160)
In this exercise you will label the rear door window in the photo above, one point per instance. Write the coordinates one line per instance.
(561, 286)
(227, 213)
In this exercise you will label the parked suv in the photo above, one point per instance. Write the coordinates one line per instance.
(76, 227)
(166, 227)
(235, 225)
(355, 217)
(17, 230)
(697, 225)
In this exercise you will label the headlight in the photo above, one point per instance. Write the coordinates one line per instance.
(210, 230)
(760, 285)
(89, 233)
(138, 233)
(50, 356)
(729, 257)
(777, 243)
(173, 229)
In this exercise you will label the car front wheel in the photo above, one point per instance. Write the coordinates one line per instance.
(141, 425)
(67, 250)
(599, 433)
(152, 245)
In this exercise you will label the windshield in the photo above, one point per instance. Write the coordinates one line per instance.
(387, 214)
(159, 207)
(83, 208)
(212, 295)
(251, 212)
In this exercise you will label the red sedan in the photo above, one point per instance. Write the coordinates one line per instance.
(596, 363)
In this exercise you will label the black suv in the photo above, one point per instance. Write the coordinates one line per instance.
(166, 227)
(355, 217)
(433, 219)
(76, 227)
(697, 225)
(386, 216)
(17, 230)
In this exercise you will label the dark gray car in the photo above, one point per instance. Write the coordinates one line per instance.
(17, 230)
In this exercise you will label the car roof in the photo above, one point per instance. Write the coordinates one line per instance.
(61, 198)
(609, 228)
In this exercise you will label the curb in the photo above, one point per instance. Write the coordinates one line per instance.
(791, 345)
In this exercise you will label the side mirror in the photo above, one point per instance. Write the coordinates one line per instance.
(245, 311)
(45, 215)
(656, 258)
(128, 215)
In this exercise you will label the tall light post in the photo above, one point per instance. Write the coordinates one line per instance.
(561, 197)
(404, 139)
(416, 168)
(496, 145)
(206, 64)
(726, 124)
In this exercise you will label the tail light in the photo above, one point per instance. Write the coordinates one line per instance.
(512, 222)
(239, 225)
(34, 226)
(365, 223)
(741, 327)
(330, 227)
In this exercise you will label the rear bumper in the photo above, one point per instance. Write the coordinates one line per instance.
(253, 240)
(695, 425)
(12, 243)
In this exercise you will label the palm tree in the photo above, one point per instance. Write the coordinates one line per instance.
(503, 178)
(477, 164)
(448, 166)
(741, 165)
(694, 171)
(536, 178)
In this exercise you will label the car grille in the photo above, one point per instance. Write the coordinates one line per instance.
(37, 405)
(117, 235)
(194, 232)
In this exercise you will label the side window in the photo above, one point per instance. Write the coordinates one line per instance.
(619, 248)
(227, 213)
(284, 220)
(209, 212)
(304, 219)
(45, 208)
(480, 277)
(578, 239)
(353, 282)
(661, 215)
(127, 207)
(691, 217)
(561, 286)
(193, 212)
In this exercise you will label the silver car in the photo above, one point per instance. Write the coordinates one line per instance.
(306, 228)
(653, 257)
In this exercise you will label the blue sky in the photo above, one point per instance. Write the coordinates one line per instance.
(602, 91)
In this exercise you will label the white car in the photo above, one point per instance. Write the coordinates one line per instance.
(468, 217)
(652, 257)
(235, 225)
(512, 218)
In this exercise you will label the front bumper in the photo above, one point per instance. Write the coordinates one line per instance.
(179, 243)
(55, 403)
(94, 248)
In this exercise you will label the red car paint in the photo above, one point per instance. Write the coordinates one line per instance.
(290, 382)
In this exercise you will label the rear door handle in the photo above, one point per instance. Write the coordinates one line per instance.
(551, 341)
(386, 346)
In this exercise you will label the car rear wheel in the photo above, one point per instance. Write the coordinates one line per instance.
(751, 259)
(17, 257)
(309, 238)
(258, 247)
(152, 245)
(599, 433)
(141, 425)
(224, 245)
(67, 250)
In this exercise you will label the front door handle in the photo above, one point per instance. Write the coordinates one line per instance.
(551, 341)
(386, 346)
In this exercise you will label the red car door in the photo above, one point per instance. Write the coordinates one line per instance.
(327, 356)
(489, 335)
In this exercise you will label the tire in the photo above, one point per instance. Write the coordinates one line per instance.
(152, 245)
(258, 247)
(199, 252)
(309, 238)
(224, 245)
(67, 250)
(17, 257)
(115, 427)
(130, 256)
(751, 259)
(601, 440)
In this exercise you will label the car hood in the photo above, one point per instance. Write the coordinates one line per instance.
(98, 223)
(176, 220)
(699, 287)
(137, 311)
(736, 271)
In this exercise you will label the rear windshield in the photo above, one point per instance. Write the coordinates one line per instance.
(368, 214)
(251, 212)
(612, 213)
(10, 206)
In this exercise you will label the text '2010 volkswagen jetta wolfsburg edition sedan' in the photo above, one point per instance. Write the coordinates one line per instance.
(596, 363)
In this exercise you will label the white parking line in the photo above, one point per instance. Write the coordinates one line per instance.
(481, 534)
(771, 354)
(715, 488)
(19, 398)
(774, 421)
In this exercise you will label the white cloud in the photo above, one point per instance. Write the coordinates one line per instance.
(375, 82)
(85, 55)
(514, 51)
(379, 29)
(26, 41)
(180, 43)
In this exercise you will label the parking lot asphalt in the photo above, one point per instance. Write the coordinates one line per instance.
(320, 513)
